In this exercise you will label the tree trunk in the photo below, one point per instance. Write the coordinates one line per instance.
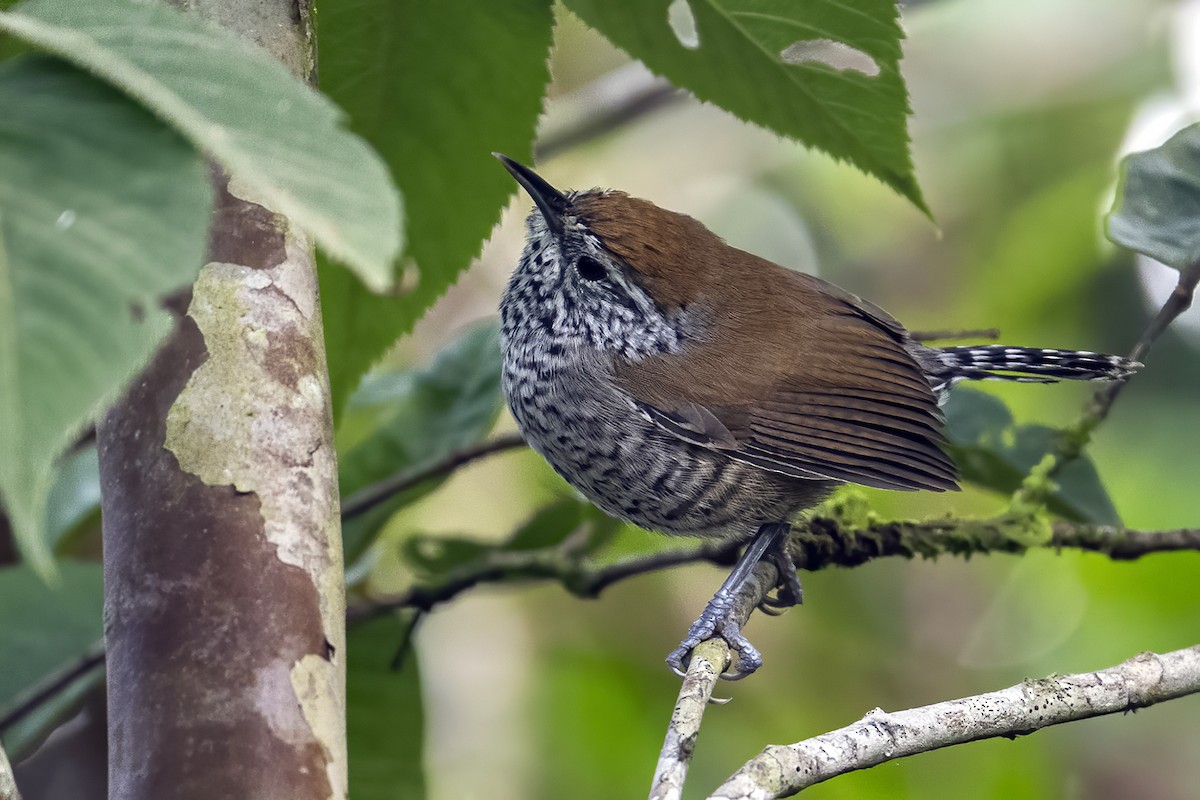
(224, 602)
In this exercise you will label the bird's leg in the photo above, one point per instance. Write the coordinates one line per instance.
(718, 616)
(788, 592)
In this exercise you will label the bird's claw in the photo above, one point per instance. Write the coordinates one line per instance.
(717, 620)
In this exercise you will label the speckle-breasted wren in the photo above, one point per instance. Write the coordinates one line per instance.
(693, 388)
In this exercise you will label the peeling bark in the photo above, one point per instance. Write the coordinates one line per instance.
(224, 602)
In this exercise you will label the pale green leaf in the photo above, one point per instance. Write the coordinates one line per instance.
(240, 107)
(74, 496)
(46, 630)
(385, 724)
(413, 419)
(825, 73)
(1157, 210)
(435, 88)
(992, 451)
(103, 209)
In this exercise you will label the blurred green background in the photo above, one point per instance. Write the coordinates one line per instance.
(1021, 110)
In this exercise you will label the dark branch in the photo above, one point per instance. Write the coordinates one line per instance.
(1037, 487)
(824, 542)
(1179, 301)
(370, 496)
(607, 103)
(54, 684)
(990, 334)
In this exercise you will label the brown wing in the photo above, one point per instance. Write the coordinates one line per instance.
(805, 380)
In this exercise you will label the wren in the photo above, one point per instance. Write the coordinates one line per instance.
(695, 389)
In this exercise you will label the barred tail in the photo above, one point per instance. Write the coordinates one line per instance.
(1030, 365)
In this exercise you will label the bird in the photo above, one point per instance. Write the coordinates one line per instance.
(695, 389)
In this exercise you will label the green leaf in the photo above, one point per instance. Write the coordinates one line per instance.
(102, 210)
(75, 495)
(239, 106)
(1157, 210)
(993, 452)
(589, 529)
(385, 723)
(549, 526)
(419, 418)
(45, 630)
(435, 556)
(856, 113)
(435, 87)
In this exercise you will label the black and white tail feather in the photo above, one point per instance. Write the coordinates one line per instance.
(1023, 364)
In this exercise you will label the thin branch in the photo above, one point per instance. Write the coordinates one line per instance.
(1178, 302)
(54, 684)
(603, 105)
(824, 542)
(370, 496)
(1146, 679)
(709, 659)
(8, 784)
(1123, 545)
(991, 334)
(574, 575)
(1037, 487)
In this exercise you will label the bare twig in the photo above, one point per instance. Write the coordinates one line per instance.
(612, 100)
(1146, 679)
(991, 334)
(708, 660)
(370, 496)
(1178, 302)
(1037, 487)
(54, 684)
(8, 784)
(575, 576)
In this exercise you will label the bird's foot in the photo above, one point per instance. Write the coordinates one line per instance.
(717, 620)
(719, 617)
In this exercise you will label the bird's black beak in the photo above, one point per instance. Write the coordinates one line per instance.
(550, 201)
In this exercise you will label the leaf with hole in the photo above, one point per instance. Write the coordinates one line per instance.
(277, 137)
(993, 452)
(103, 209)
(826, 74)
(435, 87)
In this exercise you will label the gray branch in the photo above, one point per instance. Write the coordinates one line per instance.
(8, 785)
(708, 661)
(1146, 679)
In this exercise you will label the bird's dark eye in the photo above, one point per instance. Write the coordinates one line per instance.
(589, 268)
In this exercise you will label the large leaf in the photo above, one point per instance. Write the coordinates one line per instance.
(995, 453)
(825, 73)
(1157, 209)
(45, 630)
(102, 210)
(240, 107)
(385, 725)
(418, 418)
(435, 87)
